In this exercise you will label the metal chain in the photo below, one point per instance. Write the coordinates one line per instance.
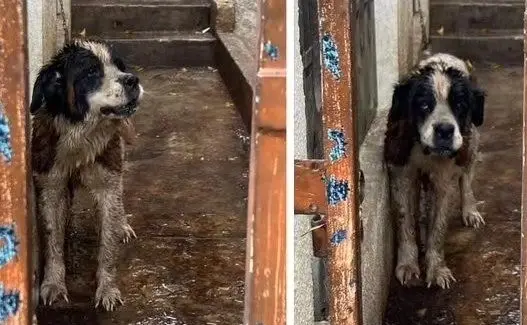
(64, 24)
(424, 34)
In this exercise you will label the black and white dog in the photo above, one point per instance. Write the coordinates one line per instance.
(431, 144)
(81, 105)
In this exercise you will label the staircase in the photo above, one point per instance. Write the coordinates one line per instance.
(489, 31)
(145, 33)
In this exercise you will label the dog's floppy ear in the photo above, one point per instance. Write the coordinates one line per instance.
(400, 102)
(77, 104)
(478, 109)
(47, 89)
(398, 141)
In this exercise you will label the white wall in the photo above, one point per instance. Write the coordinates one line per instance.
(398, 42)
(45, 32)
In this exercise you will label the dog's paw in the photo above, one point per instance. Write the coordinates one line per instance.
(53, 292)
(407, 272)
(440, 276)
(128, 233)
(108, 297)
(473, 218)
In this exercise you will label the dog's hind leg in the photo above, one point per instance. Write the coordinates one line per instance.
(54, 202)
(469, 210)
(403, 192)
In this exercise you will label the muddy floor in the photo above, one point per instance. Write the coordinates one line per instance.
(185, 187)
(485, 262)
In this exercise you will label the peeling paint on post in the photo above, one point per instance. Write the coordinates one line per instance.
(8, 245)
(271, 50)
(9, 303)
(6, 149)
(339, 237)
(339, 149)
(15, 273)
(330, 54)
(339, 113)
(337, 190)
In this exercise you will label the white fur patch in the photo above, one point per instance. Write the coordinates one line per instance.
(441, 113)
(99, 49)
(443, 61)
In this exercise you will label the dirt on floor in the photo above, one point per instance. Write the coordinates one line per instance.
(485, 262)
(185, 187)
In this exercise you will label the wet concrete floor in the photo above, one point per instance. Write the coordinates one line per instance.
(185, 186)
(485, 262)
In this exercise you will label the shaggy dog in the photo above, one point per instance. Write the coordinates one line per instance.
(431, 145)
(81, 104)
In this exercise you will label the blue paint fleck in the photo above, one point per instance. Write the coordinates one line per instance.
(271, 50)
(9, 247)
(331, 56)
(339, 237)
(337, 190)
(5, 138)
(339, 150)
(9, 303)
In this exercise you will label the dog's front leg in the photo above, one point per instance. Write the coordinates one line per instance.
(436, 270)
(54, 202)
(404, 191)
(469, 210)
(107, 191)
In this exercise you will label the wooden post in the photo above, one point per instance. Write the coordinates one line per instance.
(340, 149)
(15, 224)
(266, 224)
(523, 285)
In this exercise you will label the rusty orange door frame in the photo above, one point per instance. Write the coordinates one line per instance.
(15, 196)
(330, 186)
(266, 218)
(523, 283)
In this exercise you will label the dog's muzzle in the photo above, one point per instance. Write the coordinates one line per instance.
(133, 91)
(443, 141)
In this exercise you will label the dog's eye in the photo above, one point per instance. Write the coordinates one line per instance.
(424, 107)
(92, 72)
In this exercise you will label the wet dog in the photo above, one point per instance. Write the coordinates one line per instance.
(81, 104)
(430, 150)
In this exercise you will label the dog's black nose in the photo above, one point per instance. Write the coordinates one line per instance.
(444, 130)
(130, 81)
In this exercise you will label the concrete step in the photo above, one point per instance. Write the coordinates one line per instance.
(98, 16)
(164, 48)
(492, 46)
(461, 16)
(237, 65)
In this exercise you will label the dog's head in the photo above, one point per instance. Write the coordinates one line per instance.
(440, 102)
(86, 80)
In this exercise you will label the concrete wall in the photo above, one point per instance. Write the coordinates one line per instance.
(410, 31)
(247, 21)
(303, 295)
(45, 32)
(398, 46)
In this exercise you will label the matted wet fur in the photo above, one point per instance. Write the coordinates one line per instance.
(81, 105)
(431, 145)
